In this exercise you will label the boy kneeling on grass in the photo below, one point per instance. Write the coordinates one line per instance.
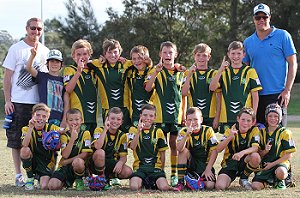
(241, 144)
(37, 161)
(278, 147)
(149, 145)
(75, 149)
(196, 145)
(110, 145)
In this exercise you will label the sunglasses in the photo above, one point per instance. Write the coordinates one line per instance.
(36, 28)
(257, 18)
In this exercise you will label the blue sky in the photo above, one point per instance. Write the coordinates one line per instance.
(15, 13)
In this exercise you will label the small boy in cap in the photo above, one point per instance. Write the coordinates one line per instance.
(50, 85)
(277, 148)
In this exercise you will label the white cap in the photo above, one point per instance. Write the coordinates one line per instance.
(55, 54)
(262, 8)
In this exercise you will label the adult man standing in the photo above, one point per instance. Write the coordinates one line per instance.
(272, 53)
(20, 91)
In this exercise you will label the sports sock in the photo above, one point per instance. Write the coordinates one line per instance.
(247, 171)
(181, 168)
(27, 165)
(174, 160)
(99, 170)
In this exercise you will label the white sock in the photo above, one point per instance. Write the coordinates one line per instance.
(18, 175)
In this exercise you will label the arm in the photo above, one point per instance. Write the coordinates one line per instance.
(9, 107)
(264, 152)
(208, 174)
(255, 100)
(63, 123)
(100, 142)
(73, 82)
(285, 157)
(27, 137)
(186, 85)
(119, 166)
(150, 84)
(136, 138)
(218, 111)
(239, 155)
(215, 80)
(29, 67)
(292, 71)
(83, 156)
(67, 151)
(222, 145)
(163, 159)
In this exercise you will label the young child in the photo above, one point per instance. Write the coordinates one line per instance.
(196, 87)
(111, 81)
(110, 143)
(241, 143)
(50, 85)
(149, 145)
(239, 84)
(278, 147)
(37, 161)
(136, 76)
(170, 106)
(75, 149)
(80, 84)
(196, 144)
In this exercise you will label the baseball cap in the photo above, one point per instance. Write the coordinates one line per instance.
(55, 54)
(261, 8)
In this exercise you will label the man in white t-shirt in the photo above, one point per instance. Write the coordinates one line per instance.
(20, 92)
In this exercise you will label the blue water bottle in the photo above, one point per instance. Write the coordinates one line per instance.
(7, 121)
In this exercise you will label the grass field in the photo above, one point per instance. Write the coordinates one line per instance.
(7, 188)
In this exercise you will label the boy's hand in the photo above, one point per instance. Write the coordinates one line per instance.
(208, 174)
(80, 66)
(224, 64)
(159, 66)
(180, 67)
(106, 124)
(267, 165)
(31, 122)
(268, 146)
(140, 125)
(118, 167)
(233, 131)
(189, 129)
(122, 60)
(102, 59)
(237, 156)
(74, 133)
(192, 69)
(34, 50)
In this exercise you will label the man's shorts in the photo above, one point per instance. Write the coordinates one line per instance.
(66, 175)
(171, 128)
(267, 176)
(149, 175)
(234, 168)
(20, 118)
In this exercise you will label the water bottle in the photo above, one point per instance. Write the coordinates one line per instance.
(7, 121)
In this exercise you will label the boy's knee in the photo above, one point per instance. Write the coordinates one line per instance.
(257, 185)
(78, 164)
(54, 184)
(25, 152)
(210, 185)
(281, 173)
(255, 159)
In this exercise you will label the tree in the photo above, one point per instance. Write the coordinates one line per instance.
(6, 40)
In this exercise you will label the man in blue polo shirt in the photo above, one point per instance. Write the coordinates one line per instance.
(272, 53)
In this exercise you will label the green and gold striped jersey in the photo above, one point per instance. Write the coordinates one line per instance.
(138, 96)
(168, 96)
(240, 142)
(82, 143)
(200, 95)
(36, 144)
(115, 145)
(151, 143)
(111, 83)
(237, 85)
(200, 144)
(84, 96)
(282, 142)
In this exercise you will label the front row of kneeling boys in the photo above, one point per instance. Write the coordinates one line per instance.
(266, 152)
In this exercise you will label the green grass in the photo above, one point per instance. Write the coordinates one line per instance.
(7, 188)
(294, 106)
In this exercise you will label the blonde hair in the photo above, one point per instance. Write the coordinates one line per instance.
(202, 48)
(110, 44)
(140, 49)
(81, 43)
(114, 110)
(167, 44)
(41, 107)
(235, 45)
(74, 111)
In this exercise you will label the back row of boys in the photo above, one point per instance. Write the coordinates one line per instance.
(130, 84)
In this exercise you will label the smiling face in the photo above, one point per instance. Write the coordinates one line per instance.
(41, 117)
(236, 56)
(272, 119)
(54, 66)
(115, 121)
(201, 59)
(245, 122)
(138, 61)
(194, 121)
(168, 55)
(74, 121)
(147, 117)
(81, 54)
(261, 21)
(112, 55)
(34, 31)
